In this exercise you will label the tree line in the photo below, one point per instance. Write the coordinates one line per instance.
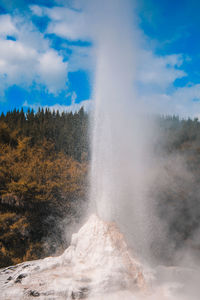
(67, 131)
(43, 179)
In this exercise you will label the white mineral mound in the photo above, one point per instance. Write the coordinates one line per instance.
(96, 266)
(97, 262)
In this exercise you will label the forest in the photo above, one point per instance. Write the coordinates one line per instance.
(44, 163)
(43, 179)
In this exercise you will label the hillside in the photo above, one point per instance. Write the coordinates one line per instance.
(43, 174)
(44, 162)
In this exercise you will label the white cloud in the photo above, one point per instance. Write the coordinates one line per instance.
(184, 101)
(28, 59)
(86, 104)
(52, 70)
(6, 26)
(37, 10)
(64, 22)
(67, 23)
(158, 72)
(74, 107)
(155, 85)
(81, 58)
(16, 61)
(187, 100)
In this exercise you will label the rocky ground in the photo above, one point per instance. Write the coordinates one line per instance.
(97, 265)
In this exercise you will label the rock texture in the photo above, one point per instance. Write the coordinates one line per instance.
(97, 262)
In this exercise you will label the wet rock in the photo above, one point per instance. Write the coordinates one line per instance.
(25, 266)
(48, 293)
(33, 293)
(9, 278)
(20, 277)
(81, 294)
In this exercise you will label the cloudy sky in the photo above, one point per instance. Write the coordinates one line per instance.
(47, 55)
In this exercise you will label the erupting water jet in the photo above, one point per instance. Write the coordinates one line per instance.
(122, 147)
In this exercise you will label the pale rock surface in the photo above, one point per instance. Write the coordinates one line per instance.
(96, 263)
(97, 266)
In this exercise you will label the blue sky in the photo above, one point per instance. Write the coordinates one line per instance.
(47, 59)
(174, 27)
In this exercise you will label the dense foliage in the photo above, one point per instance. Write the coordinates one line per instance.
(67, 131)
(43, 172)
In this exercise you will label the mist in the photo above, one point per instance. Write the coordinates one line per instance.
(128, 172)
(122, 129)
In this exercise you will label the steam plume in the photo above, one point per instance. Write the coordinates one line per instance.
(121, 138)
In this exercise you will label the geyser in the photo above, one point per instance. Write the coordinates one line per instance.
(97, 262)
(121, 168)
